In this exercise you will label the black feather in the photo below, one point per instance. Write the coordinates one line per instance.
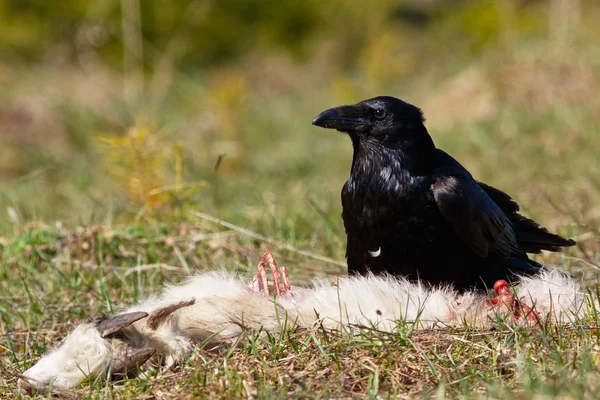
(410, 209)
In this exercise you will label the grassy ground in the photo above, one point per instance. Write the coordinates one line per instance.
(52, 278)
(95, 214)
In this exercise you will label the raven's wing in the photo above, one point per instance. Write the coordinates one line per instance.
(531, 237)
(473, 215)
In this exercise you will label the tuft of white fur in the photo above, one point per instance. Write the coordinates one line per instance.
(372, 301)
(223, 308)
(554, 293)
(84, 352)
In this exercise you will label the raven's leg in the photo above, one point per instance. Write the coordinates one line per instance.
(260, 283)
(506, 299)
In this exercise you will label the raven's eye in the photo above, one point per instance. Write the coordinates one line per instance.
(380, 114)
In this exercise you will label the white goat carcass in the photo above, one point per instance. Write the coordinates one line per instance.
(218, 308)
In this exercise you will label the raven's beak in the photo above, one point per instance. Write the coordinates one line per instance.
(344, 118)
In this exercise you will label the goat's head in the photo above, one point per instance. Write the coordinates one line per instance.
(104, 346)
(94, 348)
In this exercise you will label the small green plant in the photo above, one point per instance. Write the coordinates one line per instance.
(139, 161)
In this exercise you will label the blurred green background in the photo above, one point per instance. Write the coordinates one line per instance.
(135, 112)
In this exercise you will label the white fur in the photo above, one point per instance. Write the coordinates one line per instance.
(83, 353)
(554, 293)
(223, 309)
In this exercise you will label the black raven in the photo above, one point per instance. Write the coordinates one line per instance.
(411, 209)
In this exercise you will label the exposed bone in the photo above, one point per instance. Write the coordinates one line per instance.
(114, 324)
(260, 282)
(507, 299)
(277, 272)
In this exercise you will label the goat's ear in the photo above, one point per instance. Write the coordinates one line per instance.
(110, 325)
(159, 316)
(131, 361)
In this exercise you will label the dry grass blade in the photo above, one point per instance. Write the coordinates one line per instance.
(265, 239)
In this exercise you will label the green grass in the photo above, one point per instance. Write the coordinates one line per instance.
(53, 278)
